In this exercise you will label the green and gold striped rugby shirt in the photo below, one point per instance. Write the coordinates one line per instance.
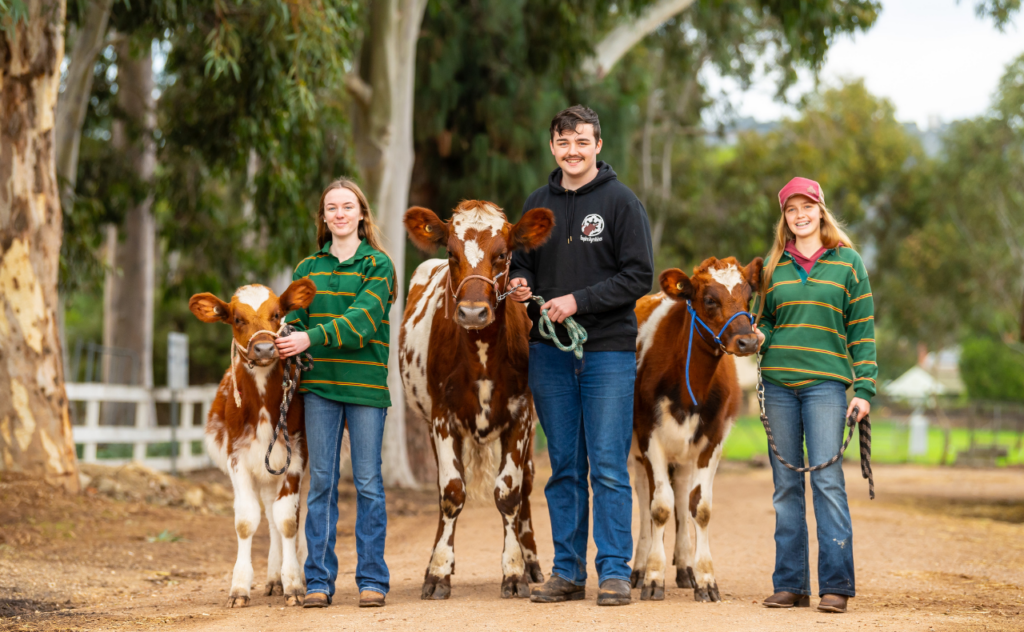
(816, 326)
(348, 326)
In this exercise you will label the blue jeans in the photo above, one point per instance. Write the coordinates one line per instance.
(816, 413)
(325, 422)
(586, 410)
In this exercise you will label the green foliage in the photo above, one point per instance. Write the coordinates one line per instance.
(959, 270)
(991, 370)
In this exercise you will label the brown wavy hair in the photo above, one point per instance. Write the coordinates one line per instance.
(367, 229)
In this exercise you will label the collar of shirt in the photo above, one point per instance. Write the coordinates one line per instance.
(804, 262)
(364, 250)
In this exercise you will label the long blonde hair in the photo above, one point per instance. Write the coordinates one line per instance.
(367, 229)
(832, 236)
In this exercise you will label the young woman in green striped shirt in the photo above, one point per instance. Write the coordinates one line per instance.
(817, 339)
(346, 330)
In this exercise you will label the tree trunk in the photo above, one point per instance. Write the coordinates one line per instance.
(130, 323)
(74, 101)
(35, 429)
(383, 92)
(617, 42)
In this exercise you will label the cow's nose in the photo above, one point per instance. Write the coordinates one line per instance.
(473, 315)
(747, 344)
(264, 349)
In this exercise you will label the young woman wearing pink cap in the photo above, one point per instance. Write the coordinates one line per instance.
(817, 336)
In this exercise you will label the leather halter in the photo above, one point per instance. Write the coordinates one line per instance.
(499, 294)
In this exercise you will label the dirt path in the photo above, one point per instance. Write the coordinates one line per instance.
(938, 550)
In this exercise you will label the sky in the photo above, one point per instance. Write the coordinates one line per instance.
(934, 59)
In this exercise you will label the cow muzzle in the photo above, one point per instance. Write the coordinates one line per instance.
(473, 314)
(742, 345)
(262, 353)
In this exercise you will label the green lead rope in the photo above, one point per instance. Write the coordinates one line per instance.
(577, 334)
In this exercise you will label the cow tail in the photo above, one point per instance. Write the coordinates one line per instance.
(480, 462)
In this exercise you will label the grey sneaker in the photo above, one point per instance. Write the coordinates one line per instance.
(614, 592)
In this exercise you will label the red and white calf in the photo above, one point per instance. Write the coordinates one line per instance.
(464, 357)
(677, 442)
(239, 429)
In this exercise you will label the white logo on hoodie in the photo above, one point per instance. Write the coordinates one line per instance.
(593, 226)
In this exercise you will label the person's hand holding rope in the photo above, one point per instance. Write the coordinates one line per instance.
(292, 345)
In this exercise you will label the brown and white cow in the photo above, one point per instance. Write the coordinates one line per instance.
(238, 435)
(677, 442)
(466, 375)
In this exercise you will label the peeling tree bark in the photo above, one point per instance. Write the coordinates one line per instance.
(35, 429)
(628, 34)
(383, 94)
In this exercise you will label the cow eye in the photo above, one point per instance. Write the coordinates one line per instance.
(277, 316)
(238, 321)
(502, 256)
(710, 302)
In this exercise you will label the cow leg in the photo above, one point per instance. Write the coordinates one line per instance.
(286, 519)
(437, 584)
(247, 519)
(268, 494)
(656, 465)
(682, 558)
(643, 500)
(508, 496)
(705, 588)
(525, 530)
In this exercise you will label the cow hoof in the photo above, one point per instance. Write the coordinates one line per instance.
(636, 579)
(684, 578)
(241, 601)
(295, 600)
(707, 593)
(515, 587)
(533, 573)
(436, 588)
(274, 588)
(653, 591)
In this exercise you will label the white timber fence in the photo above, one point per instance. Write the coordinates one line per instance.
(145, 431)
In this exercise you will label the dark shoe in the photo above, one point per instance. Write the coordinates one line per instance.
(557, 589)
(614, 592)
(316, 600)
(370, 599)
(783, 599)
(832, 603)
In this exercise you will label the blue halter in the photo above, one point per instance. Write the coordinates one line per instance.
(694, 321)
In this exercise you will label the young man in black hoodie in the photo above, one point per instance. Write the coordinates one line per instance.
(594, 267)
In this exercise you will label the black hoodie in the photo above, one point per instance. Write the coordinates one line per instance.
(599, 251)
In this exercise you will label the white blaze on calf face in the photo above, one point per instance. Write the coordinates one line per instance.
(729, 276)
(473, 253)
(253, 295)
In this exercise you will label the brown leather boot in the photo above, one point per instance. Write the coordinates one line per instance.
(316, 600)
(783, 599)
(371, 599)
(557, 589)
(833, 603)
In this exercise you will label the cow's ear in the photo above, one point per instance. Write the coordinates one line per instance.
(753, 274)
(532, 229)
(298, 295)
(208, 308)
(675, 284)
(425, 228)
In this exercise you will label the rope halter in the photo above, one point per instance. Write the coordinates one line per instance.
(498, 293)
(696, 320)
(239, 350)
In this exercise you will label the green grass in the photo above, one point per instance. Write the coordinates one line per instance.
(889, 443)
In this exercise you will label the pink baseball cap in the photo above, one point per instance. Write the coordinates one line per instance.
(801, 186)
